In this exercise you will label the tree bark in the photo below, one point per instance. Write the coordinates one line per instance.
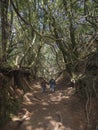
(4, 25)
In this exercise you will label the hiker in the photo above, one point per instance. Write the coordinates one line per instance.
(52, 85)
(43, 85)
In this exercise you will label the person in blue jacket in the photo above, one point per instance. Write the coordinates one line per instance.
(52, 85)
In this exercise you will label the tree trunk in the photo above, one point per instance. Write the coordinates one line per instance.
(4, 25)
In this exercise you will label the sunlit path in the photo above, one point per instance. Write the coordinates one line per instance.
(60, 110)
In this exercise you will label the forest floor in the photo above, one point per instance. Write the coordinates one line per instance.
(59, 110)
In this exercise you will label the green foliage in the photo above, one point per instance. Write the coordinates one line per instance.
(47, 36)
(66, 25)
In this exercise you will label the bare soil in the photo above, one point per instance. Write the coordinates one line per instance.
(59, 110)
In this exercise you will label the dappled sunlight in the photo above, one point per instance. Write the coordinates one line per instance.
(29, 127)
(50, 111)
(27, 99)
(27, 103)
(52, 122)
(48, 118)
(59, 95)
(67, 97)
(15, 118)
(23, 115)
(70, 90)
(45, 103)
(57, 98)
(44, 108)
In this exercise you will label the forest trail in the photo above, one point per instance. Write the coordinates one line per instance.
(59, 110)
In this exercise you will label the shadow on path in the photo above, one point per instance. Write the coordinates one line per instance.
(60, 110)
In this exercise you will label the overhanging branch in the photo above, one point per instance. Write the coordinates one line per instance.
(30, 25)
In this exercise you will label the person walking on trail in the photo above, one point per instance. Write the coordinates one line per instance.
(52, 85)
(43, 85)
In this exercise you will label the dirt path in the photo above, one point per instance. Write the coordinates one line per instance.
(60, 110)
